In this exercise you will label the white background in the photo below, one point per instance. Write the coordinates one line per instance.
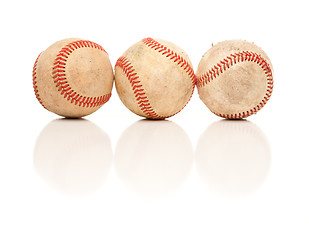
(194, 176)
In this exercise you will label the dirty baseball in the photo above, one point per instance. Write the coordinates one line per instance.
(154, 78)
(73, 78)
(235, 79)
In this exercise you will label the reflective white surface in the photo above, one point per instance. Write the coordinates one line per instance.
(118, 177)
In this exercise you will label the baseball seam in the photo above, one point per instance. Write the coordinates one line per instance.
(139, 92)
(228, 62)
(179, 60)
(61, 81)
(34, 82)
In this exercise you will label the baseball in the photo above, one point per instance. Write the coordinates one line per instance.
(73, 77)
(235, 79)
(154, 78)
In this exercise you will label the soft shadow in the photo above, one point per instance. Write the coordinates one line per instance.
(153, 158)
(73, 156)
(233, 157)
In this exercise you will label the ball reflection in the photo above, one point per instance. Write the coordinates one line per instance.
(233, 157)
(73, 156)
(153, 158)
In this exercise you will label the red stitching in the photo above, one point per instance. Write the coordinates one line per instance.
(139, 92)
(34, 82)
(60, 76)
(173, 56)
(229, 61)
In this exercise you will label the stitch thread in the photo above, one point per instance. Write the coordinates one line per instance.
(228, 62)
(172, 56)
(137, 87)
(62, 83)
(34, 82)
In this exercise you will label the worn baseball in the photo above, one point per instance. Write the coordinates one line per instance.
(235, 79)
(73, 77)
(154, 78)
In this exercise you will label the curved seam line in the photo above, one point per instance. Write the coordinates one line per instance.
(137, 87)
(34, 82)
(175, 57)
(61, 82)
